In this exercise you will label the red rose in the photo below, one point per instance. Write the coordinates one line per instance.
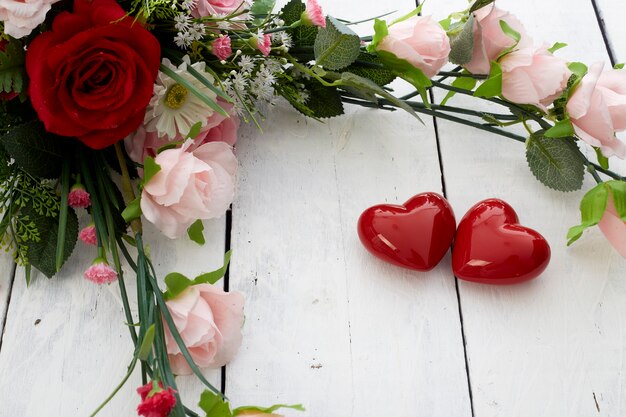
(6, 95)
(92, 75)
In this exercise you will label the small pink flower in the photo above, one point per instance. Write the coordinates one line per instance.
(263, 43)
(221, 48)
(78, 197)
(159, 404)
(100, 272)
(88, 235)
(613, 227)
(597, 109)
(313, 15)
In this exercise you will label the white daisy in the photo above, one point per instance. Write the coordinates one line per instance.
(173, 109)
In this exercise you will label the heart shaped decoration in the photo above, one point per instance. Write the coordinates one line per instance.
(415, 235)
(491, 247)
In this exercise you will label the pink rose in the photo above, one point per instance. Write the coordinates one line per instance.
(191, 185)
(20, 17)
(221, 48)
(221, 7)
(489, 39)
(597, 109)
(614, 227)
(209, 321)
(533, 76)
(218, 128)
(419, 40)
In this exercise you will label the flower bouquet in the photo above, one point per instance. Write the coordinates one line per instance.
(125, 111)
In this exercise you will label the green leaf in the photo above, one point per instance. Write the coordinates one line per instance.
(445, 23)
(592, 208)
(380, 31)
(176, 283)
(618, 192)
(208, 84)
(466, 83)
(193, 89)
(132, 210)
(146, 343)
(619, 66)
(35, 151)
(555, 162)
(42, 254)
(12, 72)
(556, 47)
(336, 45)
(409, 15)
(406, 71)
(323, 102)
(267, 410)
(562, 129)
(602, 160)
(302, 35)
(578, 68)
(214, 405)
(369, 66)
(462, 43)
(213, 277)
(194, 131)
(510, 32)
(368, 86)
(491, 87)
(479, 4)
(261, 9)
(63, 213)
(196, 232)
(150, 169)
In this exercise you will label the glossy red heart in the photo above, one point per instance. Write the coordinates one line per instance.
(415, 235)
(491, 247)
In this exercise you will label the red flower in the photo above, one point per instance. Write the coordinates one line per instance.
(92, 75)
(159, 404)
(4, 95)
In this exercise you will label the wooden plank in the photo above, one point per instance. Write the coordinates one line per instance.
(6, 279)
(327, 324)
(554, 346)
(65, 344)
(612, 14)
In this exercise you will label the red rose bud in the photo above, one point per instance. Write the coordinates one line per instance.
(6, 95)
(92, 75)
(155, 402)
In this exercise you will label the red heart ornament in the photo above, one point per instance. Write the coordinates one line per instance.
(415, 235)
(491, 247)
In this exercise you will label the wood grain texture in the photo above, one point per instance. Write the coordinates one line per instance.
(555, 346)
(6, 279)
(65, 344)
(327, 324)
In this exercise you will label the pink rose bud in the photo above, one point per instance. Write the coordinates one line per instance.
(100, 272)
(218, 7)
(78, 197)
(533, 76)
(209, 320)
(489, 39)
(159, 404)
(88, 235)
(614, 228)
(419, 40)
(221, 48)
(191, 185)
(263, 42)
(313, 15)
(597, 109)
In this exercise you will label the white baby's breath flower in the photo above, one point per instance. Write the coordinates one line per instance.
(246, 64)
(173, 109)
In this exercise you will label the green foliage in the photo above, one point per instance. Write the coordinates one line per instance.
(336, 45)
(146, 343)
(132, 210)
(35, 151)
(479, 4)
(267, 410)
(556, 47)
(290, 14)
(261, 9)
(466, 83)
(555, 162)
(462, 43)
(214, 405)
(561, 129)
(150, 169)
(380, 31)
(369, 66)
(12, 70)
(406, 71)
(177, 283)
(491, 87)
(409, 15)
(602, 160)
(619, 66)
(592, 208)
(41, 253)
(323, 102)
(196, 232)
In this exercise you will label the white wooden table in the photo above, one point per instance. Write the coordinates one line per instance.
(328, 325)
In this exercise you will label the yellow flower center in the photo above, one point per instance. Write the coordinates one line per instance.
(176, 96)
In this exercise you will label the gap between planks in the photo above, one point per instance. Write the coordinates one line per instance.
(605, 36)
(6, 308)
(227, 243)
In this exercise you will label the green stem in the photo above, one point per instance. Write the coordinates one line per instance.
(63, 212)
(455, 74)
(127, 186)
(131, 368)
(593, 173)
